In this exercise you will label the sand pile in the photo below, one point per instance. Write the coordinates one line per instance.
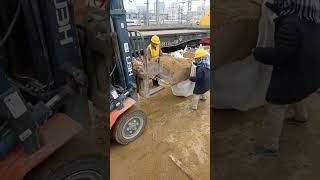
(173, 64)
(80, 11)
(172, 70)
(189, 53)
(227, 11)
(235, 29)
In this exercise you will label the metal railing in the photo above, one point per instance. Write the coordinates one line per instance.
(138, 47)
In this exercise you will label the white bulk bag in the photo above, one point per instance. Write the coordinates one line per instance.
(185, 88)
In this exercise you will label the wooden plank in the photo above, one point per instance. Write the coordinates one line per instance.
(181, 166)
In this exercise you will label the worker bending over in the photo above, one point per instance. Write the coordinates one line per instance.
(202, 78)
(154, 52)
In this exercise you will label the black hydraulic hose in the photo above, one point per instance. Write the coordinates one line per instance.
(11, 26)
(39, 27)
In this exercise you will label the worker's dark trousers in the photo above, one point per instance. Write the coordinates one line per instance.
(274, 120)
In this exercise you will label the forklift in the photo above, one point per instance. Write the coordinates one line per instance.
(127, 120)
(50, 70)
(106, 39)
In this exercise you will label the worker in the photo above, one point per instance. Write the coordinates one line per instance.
(202, 77)
(154, 49)
(295, 58)
(154, 52)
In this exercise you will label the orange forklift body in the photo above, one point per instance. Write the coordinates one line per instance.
(114, 115)
(17, 164)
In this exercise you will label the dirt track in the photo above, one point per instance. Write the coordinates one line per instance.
(173, 129)
(237, 132)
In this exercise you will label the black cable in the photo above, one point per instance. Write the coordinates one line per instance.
(13, 22)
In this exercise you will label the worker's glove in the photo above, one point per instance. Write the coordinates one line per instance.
(158, 60)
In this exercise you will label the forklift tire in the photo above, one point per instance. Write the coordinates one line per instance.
(129, 126)
(86, 167)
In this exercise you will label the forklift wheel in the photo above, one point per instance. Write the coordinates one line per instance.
(129, 126)
(86, 167)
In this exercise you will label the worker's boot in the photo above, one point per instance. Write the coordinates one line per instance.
(272, 127)
(203, 97)
(155, 81)
(297, 114)
(195, 101)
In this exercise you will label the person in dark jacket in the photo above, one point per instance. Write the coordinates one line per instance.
(296, 65)
(202, 78)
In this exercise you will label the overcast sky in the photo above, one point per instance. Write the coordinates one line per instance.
(134, 3)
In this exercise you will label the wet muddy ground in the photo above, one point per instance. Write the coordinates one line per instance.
(237, 132)
(173, 130)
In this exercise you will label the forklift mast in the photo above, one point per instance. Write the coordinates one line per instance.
(119, 24)
(50, 46)
(62, 38)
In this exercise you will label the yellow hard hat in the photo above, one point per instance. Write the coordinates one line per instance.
(155, 39)
(199, 53)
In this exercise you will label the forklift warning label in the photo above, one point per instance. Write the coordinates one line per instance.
(126, 47)
(15, 105)
(114, 94)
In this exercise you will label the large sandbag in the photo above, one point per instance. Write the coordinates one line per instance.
(235, 30)
(185, 88)
(172, 70)
(243, 84)
(80, 11)
(234, 41)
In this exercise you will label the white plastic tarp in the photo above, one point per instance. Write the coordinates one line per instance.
(242, 85)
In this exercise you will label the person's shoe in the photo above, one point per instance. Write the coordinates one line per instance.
(261, 150)
(293, 121)
(155, 82)
(203, 99)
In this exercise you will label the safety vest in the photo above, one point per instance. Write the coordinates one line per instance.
(155, 52)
